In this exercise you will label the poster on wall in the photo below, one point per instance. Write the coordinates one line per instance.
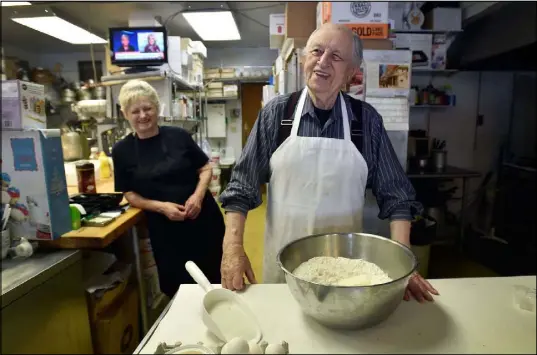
(387, 73)
(357, 85)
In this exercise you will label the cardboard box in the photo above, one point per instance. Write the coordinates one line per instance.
(33, 176)
(377, 44)
(420, 44)
(231, 90)
(199, 48)
(116, 330)
(276, 30)
(443, 19)
(23, 105)
(368, 19)
(300, 19)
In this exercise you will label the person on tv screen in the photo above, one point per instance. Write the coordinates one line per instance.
(125, 45)
(152, 46)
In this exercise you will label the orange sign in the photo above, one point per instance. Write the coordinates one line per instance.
(370, 30)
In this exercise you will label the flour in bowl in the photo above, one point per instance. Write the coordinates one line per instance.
(338, 271)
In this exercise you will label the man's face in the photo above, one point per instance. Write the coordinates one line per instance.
(125, 41)
(328, 60)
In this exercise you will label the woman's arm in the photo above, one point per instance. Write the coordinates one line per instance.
(143, 203)
(205, 175)
(173, 211)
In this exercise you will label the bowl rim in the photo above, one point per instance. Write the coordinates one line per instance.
(404, 247)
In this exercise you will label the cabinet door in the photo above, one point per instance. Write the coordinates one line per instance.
(216, 120)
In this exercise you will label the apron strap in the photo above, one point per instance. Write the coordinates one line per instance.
(286, 124)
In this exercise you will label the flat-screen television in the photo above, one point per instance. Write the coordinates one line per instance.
(138, 46)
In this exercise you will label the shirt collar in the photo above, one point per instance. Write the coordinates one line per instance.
(310, 109)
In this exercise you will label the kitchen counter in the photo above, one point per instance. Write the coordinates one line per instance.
(101, 237)
(44, 306)
(98, 237)
(450, 172)
(474, 315)
(20, 276)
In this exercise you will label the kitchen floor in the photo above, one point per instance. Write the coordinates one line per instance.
(445, 262)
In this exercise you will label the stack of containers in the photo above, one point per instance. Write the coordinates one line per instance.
(214, 185)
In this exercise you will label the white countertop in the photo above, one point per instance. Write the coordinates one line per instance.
(475, 315)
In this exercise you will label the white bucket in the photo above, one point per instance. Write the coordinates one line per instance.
(215, 158)
(215, 190)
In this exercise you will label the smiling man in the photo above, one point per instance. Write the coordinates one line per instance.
(318, 149)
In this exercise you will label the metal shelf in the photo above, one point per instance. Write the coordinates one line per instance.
(181, 84)
(431, 106)
(253, 79)
(446, 72)
(223, 98)
(427, 31)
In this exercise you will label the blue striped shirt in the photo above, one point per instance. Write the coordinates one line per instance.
(394, 192)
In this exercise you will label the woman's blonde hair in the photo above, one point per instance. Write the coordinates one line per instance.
(134, 90)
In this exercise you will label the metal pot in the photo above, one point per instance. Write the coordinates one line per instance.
(84, 94)
(99, 93)
(68, 96)
(349, 307)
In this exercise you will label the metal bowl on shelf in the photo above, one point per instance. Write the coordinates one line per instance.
(349, 307)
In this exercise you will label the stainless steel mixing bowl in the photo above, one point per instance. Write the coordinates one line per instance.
(349, 307)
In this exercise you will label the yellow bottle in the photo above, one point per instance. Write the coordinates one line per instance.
(104, 166)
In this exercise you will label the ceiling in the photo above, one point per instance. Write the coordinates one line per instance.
(252, 20)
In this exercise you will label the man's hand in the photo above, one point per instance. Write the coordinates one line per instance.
(235, 264)
(420, 289)
(193, 206)
(173, 211)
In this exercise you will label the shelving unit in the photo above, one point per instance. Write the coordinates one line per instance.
(431, 106)
(435, 72)
(433, 32)
(223, 98)
(172, 83)
(242, 80)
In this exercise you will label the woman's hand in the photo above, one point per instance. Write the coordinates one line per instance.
(420, 289)
(193, 206)
(173, 211)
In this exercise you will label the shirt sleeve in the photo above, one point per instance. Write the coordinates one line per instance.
(392, 188)
(198, 156)
(122, 178)
(253, 168)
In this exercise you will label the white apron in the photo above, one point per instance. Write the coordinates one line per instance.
(317, 186)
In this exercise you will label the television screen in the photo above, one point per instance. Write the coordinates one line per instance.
(138, 46)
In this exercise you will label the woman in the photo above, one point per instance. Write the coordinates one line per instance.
(151, 46)
(162, 171)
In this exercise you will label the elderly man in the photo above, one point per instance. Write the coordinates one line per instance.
(318, 149)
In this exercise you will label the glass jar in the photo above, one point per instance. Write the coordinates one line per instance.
(85, 173)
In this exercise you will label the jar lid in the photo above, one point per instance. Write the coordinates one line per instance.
(84, 164)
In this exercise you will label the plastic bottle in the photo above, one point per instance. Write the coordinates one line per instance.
(94, 153)
(104, 166)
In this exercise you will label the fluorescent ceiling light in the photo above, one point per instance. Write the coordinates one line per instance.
(61, 29)
(15, 3)
(213, 25)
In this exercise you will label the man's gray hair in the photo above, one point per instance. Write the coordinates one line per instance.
(357, 50)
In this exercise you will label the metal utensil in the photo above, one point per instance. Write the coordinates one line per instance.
(216, 299)
(349, 307)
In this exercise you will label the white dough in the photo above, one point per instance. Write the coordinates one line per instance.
(332, 271)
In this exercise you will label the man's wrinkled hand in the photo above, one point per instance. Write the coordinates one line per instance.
(420, 289)
(235, 264)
